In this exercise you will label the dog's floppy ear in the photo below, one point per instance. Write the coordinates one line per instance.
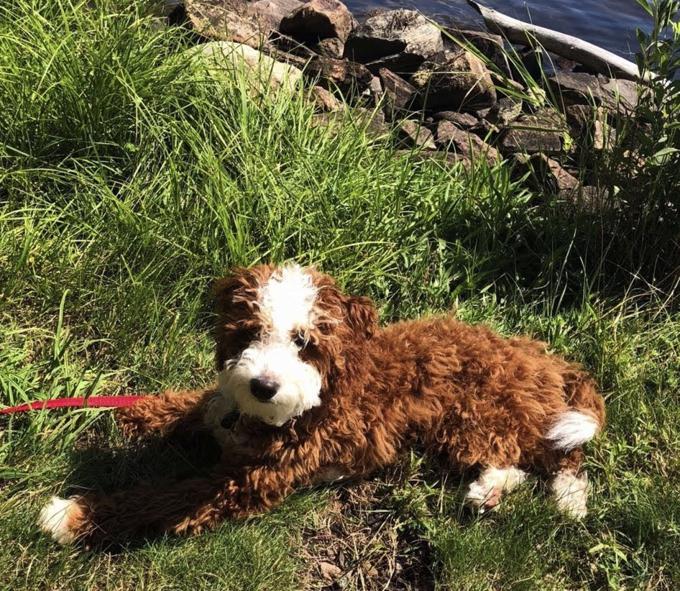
(233, 297)
(222, 291)
(245, 279)
(361, 315)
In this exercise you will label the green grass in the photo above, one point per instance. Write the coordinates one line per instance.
(129, 179)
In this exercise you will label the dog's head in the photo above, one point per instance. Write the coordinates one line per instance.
(284, 335)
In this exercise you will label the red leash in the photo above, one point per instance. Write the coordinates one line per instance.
(91, 402)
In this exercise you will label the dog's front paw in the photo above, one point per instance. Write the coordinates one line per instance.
(482, 496)
(59, 519)
(485, 493)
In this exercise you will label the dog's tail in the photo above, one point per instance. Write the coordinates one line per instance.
(584, 418)
(572, 429)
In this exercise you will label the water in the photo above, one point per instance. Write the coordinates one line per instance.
(610, 24)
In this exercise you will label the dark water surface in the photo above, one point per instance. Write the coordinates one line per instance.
(608, 23)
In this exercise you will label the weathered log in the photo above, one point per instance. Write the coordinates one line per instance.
(590, 55)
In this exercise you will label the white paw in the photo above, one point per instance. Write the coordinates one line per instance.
(571, 493)
(483, 496)
(55, 519)
(485, 492)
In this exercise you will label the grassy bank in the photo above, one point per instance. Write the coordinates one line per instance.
(129, 180)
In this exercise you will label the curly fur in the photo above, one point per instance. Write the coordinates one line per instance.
(483, 402)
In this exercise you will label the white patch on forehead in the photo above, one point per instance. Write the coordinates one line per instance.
(286, 300)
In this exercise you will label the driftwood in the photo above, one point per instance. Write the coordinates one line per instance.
(594, 57)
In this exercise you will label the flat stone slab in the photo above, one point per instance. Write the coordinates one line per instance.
(414, 134)
(466, 144)
(222, 58)
(541, 132)
(578, 88)
(406, 36)
(544, 173)
(318, 19)
(461, 83)
(238, 20)
(399, 94)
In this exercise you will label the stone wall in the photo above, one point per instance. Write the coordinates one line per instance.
(438, 88)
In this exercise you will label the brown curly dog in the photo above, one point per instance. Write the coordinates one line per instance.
(319, 392)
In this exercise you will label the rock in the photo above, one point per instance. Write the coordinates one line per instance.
(579, 118)
(588, 198)
(414, 134)
(371, 121)
(330, 47)
(225, 20)
(532, 62)
(399, 94)
(462, 82)
(485, 129)
(441, 157)
(544, 174)
(488, 44)
(588, 125)
(223, 57)
(464, 143)
(604, 136)
(318, 19)
(374, 93)
(509, 88)
(619, 92)
(271, 12)
(325, 100)
(451, 158)
(283, 43)
(574, 87)
(374, 123)
(349, 77)
(543, 131)
(331, 120)
(504, 112)
(329, 571)
(238, 20)
(400, 63)
(369, 570)
(578, 88)
(165, 8)
(462, 120)
(406, 36)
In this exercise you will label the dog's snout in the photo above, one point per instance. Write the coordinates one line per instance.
(263, 388)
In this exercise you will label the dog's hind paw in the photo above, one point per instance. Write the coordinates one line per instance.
(570, 492)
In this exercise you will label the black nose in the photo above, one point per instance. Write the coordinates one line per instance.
(263, 389)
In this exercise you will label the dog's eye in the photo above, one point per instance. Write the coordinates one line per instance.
(299, 340)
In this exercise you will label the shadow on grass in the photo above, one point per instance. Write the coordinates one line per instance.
(563, 250)
(102, 468)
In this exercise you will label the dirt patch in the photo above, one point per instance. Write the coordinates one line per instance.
(363, 541)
